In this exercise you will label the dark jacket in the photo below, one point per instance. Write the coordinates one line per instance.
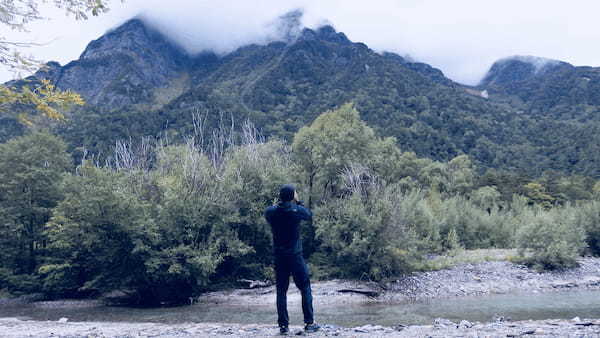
(285, 219)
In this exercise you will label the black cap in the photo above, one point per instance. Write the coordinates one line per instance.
(286, 193)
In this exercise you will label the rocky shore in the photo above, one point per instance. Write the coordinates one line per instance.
(492, 278)
(464, 280)
(439, 328)
(487, 278)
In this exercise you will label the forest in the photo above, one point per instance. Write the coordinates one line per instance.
(165, 218)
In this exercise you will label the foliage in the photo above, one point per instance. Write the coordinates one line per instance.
(587, 216)
(45, 99)
(162, 221)
(333, 142)
(366, 234)
(32, 167)
(100, 236)
(554, 238)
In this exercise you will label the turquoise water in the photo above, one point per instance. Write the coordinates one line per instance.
(585, 304)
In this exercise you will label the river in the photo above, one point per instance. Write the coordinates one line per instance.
(517, 306)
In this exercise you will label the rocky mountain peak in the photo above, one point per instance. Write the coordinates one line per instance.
(324, 33)
(519, 68)
(134, 37)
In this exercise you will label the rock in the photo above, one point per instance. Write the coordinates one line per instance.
(368, 293)
(585, 324)
(465, 324)
(576, 319)
(361, 330)
(539, 331)
(442, 323)
(564, 284)
(591, 281)
(252, 284)
(501, 319)
(63, 320)
(399, 327)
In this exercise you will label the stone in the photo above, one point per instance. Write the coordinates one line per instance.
(591, 281)
(465, 324)
(576, 319)
(399, 327)
(564, 284)
(63, 320)
(442, 323)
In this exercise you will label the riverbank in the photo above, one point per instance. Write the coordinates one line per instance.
(495, 277)
(461, 292)
(15, 328)
(472, 279)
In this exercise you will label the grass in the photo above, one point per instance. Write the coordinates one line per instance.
(462, 256)
(5, 294)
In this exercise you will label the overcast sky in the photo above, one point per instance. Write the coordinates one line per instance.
(461, 37)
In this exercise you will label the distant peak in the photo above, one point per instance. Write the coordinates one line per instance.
(519, 68)
(325, 33)
(536, 61)
(132, 36)
(136, 23)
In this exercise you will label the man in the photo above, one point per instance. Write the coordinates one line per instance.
(285, 218)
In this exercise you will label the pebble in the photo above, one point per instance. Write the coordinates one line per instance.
(465, 324)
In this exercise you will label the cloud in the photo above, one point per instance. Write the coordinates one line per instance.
(461, 37)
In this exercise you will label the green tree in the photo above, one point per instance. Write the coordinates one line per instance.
(334, 141)
(537, 194)
(32, 167)
(100, 237)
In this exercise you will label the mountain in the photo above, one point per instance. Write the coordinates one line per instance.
(545, 86)
(137, 82)
(121, 68)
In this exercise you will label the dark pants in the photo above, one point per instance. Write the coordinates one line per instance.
(286, 265)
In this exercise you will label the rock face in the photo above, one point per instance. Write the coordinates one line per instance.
(122, 67)
(132, 63)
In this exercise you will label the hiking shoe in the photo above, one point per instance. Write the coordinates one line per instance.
(312, 327)
(283, 330)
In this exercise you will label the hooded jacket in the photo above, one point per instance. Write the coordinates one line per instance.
(285, 218)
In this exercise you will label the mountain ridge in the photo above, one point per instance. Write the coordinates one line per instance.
(138, 82)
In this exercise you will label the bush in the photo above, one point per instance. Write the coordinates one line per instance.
(475, 227)
(588, 218)
(366, 234)
(551, 240)
(18, 284)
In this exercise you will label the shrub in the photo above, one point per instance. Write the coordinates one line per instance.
(553, 239)
(588, 218)
(365, 233)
